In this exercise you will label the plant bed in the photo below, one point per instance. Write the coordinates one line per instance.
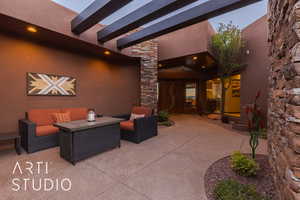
(221, 170)
(167, 123)
(164, 119)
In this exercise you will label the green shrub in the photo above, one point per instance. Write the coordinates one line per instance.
(233, 190)
(166, 123)
(243, 165)
(163, 116)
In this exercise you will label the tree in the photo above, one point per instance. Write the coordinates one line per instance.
(227, 47)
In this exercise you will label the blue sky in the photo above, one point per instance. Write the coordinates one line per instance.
(241, 17)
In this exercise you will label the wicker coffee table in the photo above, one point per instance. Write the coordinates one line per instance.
(81, 139)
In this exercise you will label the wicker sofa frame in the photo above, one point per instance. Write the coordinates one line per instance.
(32, 143)
(144, 128)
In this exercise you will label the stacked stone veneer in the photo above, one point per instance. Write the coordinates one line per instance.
(148, 52)
(284, 102)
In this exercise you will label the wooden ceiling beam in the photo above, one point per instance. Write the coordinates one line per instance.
(94, 13)
(192, 16)
(139, 17)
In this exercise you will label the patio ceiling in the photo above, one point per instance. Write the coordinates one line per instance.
(197, 62)
(13, 26)
(152, 11)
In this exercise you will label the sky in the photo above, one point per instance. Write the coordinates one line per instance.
(241, 17)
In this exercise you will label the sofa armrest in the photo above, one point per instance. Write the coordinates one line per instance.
(123, 116)
(146, 124)
(27, 130)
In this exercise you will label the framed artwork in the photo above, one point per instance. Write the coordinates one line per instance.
(50, 85)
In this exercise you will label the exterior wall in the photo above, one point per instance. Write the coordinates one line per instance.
(191, 40)
(54, 17)
(284, 104)
(255, 76)
(109, 88)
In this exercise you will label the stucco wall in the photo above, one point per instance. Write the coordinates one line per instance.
(191, 40)
(255, 76)
(54, 17)
(109, 88)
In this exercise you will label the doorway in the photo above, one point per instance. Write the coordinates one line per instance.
(190, 103)
(178, 96)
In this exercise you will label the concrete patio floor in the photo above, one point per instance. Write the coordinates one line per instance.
(169, 167)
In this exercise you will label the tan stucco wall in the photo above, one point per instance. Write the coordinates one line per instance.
(100, 85)
(255, 75)
(191, 40)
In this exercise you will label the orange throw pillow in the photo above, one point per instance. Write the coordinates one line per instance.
(61, 117)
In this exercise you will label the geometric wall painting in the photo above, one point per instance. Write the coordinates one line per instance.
(50, 85)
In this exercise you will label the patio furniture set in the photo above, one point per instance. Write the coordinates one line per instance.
(78, 138)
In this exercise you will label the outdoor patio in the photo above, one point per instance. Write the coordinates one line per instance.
(170, 166)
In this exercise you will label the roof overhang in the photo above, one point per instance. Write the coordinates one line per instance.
(17, 27)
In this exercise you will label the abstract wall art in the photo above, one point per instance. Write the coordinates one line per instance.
(50, 85)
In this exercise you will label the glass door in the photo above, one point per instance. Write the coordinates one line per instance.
(190, 103)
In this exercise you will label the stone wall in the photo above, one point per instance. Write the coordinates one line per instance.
(284, 103)
(148, 51)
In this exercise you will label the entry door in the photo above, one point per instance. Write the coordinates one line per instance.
(172, 96)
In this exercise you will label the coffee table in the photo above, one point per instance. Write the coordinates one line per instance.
(79, 140)
(12, 136)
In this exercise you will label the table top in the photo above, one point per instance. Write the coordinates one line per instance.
(80, 125)
(9, 136)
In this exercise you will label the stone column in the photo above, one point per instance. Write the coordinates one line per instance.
(148, 51)
(284, 103)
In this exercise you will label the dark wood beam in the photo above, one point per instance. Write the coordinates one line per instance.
(94, 13)
(192, 16)
(139, 17)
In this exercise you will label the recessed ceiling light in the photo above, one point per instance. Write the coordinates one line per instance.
(195, 58)
(31, 29)
(107, 53)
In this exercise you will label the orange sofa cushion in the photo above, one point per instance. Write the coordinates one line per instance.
(127, 125)
(142, 111)
(42, 117)
(76, 113)
(61, 117)
(46, 130)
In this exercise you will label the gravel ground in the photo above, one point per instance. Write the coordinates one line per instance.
(221, 170)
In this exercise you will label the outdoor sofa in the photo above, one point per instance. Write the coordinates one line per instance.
(140, 129)
(37, 130)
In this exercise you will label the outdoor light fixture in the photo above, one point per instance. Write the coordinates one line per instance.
(31, 29)
(195, 58)
(107, 53)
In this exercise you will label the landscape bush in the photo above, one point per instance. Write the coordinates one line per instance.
(233, 190)
(243, 165)
(163, 116)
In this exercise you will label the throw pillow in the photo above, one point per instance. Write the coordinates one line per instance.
(135, 116)
(61, 117)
